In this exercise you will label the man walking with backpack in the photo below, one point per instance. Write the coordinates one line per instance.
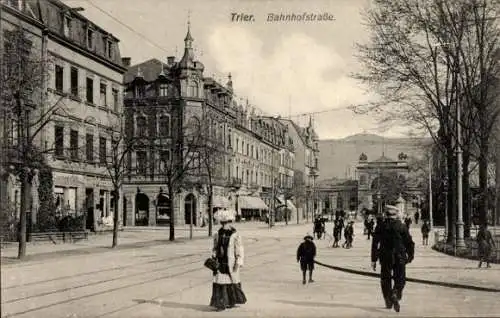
(393, 246)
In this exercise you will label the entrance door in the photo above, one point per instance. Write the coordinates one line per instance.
(190, 209)
(89, 204)
(141, 209)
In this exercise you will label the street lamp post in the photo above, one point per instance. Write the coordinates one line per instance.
(460, 242)
(431, 218)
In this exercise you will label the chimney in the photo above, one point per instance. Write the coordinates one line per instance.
(170, 60)
(126, 61)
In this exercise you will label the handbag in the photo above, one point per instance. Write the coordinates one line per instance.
(212, 264)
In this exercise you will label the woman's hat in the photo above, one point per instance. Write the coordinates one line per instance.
(225, 215)
(308, 237)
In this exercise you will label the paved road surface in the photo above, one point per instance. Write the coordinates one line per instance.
(168, 280)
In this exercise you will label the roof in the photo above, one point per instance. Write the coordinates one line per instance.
(383, 158)
(150, 70)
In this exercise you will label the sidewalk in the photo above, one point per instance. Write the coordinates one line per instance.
(427, 265)
(100, 243)
(129, 238)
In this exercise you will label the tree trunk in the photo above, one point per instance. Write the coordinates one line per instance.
(452, 195)
(171, 225)
(116, 219)
(466, 195)
(483, 186)
(210, 209)
(22, 215)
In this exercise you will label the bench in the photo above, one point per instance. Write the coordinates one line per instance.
(47, 236)
(54, 237)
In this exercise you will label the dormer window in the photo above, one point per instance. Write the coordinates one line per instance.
(90, 39)
(163, 90)
(110, 49)
(140, 91)
(67, 26)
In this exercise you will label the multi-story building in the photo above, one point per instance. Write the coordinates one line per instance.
(281, 170)
(305, 141)
(80, 104)
(251, 153)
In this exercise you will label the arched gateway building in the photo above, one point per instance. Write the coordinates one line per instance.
(373, 178)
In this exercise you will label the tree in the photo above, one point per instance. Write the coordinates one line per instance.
(116, 168)
(25, 108)
(212, 149)
(180, 159)
(417, 62)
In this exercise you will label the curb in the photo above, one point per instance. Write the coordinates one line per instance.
(412, 280)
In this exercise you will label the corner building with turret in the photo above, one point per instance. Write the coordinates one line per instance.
(253, 153)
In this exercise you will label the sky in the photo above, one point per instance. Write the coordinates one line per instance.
(283, 68)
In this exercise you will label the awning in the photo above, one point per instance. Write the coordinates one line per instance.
(220, 202)
(251, 203)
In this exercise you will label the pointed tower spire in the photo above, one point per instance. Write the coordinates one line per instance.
(162, 73)
(229, 81)
(188, 40)
(187, 60)
(139, 72)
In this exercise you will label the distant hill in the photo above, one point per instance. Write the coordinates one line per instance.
(338, 157)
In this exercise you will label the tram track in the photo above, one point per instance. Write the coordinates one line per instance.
(197, 261)
(99, 271)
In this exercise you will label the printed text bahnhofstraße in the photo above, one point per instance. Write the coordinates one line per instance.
(301, 17)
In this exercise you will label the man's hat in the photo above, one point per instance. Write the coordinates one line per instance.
(392, 211)
(308, 237)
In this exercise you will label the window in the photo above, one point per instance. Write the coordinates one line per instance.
(67, 26)
(90, 39)
(102, 94)
(164, 160)
(59, 141)
(140, 91)
(142, 129)
(74, 81)
(102, 149)
(193, 90)
(73, 141)
(141, 162)
(89, 148)
(115, 99)
(59, 78)
(59, 199)
(110, 49)
(163, 90)
(90, 90)
(164, 125)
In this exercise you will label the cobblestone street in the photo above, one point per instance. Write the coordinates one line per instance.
(169, 280)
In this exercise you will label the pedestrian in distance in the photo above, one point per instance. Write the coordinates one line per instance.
(426, 228)
(318, 228)
(337, 232)
(408, 222)
(228, 251)
(348, 235)
(417, 217)
(393, 246)
(369, 229)
(305, 256)
(485, 243)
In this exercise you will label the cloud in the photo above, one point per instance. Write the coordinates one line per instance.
(294, 67)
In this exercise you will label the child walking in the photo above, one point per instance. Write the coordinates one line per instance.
(305, 255)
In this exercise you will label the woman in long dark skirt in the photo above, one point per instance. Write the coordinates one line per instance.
(485, 244)
(228, 249)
